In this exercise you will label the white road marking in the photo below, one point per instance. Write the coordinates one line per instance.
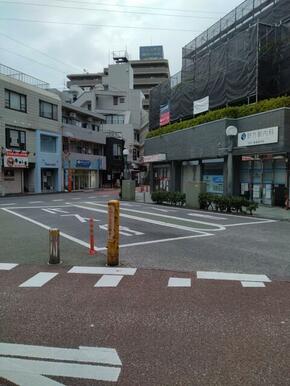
(179, 282)
(218, 226)
(90, 198)
(103, 270)
(125, 231)
(7, 266)
(54, 210)
(206, 216)
(252, 284)
(162, 223)
(76, 198)
(11, 203)
(87, 245)
(58, 200)
(109, 281)
(80, 218)
(83, 354)
(57, 369)
(35, 202)
(39, 279)
(250, 223)
(231, 276)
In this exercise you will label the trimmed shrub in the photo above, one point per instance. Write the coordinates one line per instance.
(228, 204)
(172, 198)
(227, 112)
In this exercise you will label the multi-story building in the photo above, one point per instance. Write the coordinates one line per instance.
(30, 134)
(84, 160)
(111, 94)
(149, 71)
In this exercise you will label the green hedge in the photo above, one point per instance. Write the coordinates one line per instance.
(227, 112)
(171, 198)
(229, 204)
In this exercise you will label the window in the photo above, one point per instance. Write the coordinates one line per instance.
(115, 100)
(47, 144)
(89, 106)
(47, 110)
(15, 139)
(117, 151)
(136, 136)
(84, 125)
(115, 119)
(15, 101)
(122, 100)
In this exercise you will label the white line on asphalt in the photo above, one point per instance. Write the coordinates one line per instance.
(11, 203)
(65, 235)
(207, 216)
(7, 266)
(179, 282)
(108, 281)
(87, 245)
(220, 227)
(40, 207)
(250, 223)
(35, 202)
(90, 198)
(83, 354)
(39, 279)
(162, 223)
(252, 284)
(76, 198)
(59, 369)
(103, 270)
(58, 200)
(231, 276)
(230, 215)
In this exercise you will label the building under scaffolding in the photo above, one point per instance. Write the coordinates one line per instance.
(242, 58)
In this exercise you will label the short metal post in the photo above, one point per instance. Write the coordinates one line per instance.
(92, 237)
(113, 233)
(54, 255)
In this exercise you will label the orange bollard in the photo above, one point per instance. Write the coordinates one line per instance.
(92, 237)
(113, 233)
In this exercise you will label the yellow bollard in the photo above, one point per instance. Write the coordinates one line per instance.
(54, 255)
(113, 233)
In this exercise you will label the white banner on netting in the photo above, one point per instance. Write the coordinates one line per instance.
(201, 105)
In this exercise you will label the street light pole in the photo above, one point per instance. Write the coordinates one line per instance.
(231, 132)
(125, 155)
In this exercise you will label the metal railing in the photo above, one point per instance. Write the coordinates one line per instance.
(18, 75)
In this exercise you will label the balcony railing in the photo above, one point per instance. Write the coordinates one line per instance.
(14, 74)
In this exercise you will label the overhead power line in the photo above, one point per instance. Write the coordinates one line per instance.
(41, 52)
(102, 10)
(31, 60)
(97, 25)
(141, 7)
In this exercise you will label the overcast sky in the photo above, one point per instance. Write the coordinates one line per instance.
(78, 47)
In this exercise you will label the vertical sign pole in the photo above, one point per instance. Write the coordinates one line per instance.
(113, 233)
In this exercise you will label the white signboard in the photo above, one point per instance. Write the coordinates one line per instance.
(154, 158)
(201, 105)
(258, 137)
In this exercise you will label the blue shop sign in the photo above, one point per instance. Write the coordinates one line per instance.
(83, 163)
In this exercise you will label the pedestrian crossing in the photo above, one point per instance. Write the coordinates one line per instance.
(112, 277)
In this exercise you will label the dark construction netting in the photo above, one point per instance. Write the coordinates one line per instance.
(233, 62)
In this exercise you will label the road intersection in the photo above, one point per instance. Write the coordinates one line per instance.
(199, 298)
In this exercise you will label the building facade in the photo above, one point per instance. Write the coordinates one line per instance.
(260, 157)
(112, 95)
(84, 160)
(30, 135)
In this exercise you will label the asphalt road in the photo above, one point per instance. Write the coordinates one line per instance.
(199, 299)
(151, 236)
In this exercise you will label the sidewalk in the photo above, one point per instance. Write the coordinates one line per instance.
(274, 213)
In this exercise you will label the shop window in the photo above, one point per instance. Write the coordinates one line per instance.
(15, 139)
(47, 144)
(48, 110)
(15, 101)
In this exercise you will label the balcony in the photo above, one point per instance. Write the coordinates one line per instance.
(88, 135)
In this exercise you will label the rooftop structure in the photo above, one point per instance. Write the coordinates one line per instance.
(21, 76)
